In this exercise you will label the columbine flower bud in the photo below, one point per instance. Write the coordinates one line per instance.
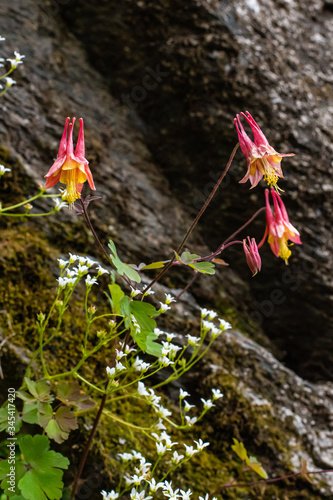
(252, 255)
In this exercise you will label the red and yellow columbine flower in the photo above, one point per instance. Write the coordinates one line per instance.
(278, 228)
(262, 159)
(70, 168)
(252, 255)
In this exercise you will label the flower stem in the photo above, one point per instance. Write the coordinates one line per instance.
(86, 450)
(195, 222)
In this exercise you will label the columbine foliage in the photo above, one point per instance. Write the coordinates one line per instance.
(38, 470)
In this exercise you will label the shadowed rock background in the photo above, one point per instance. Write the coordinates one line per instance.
(158, 86)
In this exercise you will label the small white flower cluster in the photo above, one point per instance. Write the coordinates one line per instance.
(154, 401)
(13, 65)
(142, 478)
(209, 326)
(164, 306)
(3, 170)
(71, 275)
(137, 291)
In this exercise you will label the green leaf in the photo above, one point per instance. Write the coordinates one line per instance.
(122, 268)
(43, 479)
(187, 257)
(6, 412)
(125, 309)
(116, 295)
(66, 419)
(146, 342)
(71, 394)
(153, 265)
(5, 470)
(257, 467)
(59, 424)
(45, 414)
(29, 413)
(143, 313)
(203, 267)
(239, 449)
(40, 390)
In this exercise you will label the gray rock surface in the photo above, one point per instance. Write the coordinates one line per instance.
(153, 163)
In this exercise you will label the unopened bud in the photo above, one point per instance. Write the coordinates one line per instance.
(252, 255)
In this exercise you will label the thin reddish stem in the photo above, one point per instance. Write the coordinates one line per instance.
(195, 222)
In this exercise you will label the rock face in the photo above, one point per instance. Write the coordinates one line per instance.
(183, 72)
(158, 86)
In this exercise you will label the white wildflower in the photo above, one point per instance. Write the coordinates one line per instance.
(215, 332)
(137, 455)
(135, 292)
(201, 445)
(120, 354)
(163, 308)
(140, 366)
(176, 458)
(187, 406)
(3, 170)
(91, 281)
(212, 314)
(110, 371)
(142, 389)
(186, 494)
(161, 449)
(207, 404)
(224, 325)
(155, 486)
(158, 332)
(82, 269)
(136, 495)
(101, 270)
(204, 312)
(206, 497)
(170, 336)
(183, 394)
(70, 273)
(193, 341)
(164, 361)
(190, 421)
(112, 495)
(207, 325)
(163, 412)
(10, 82)
(119, 366)
(149, 292)
(135, 479)
(2, 38)
(62, 263)
(59, 204)
(217, 394)
(15, 62)
(72, 258)
(90, 262)
(160, 426)
(169, 298)
(190, 451)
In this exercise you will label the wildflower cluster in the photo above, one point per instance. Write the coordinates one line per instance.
(14, 62)
(137, 349)
(143, 484)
